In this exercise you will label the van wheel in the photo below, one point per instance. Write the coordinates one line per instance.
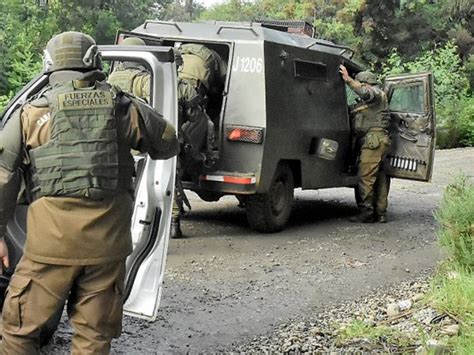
(270, 212)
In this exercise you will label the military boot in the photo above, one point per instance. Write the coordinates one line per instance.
(365, 216)
(176, 228)
(381, 217)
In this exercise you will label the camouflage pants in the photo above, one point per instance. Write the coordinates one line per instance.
(196, 136)
(373, 184)
(178, 199)
(37, 291)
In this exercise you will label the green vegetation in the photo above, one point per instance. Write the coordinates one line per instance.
(452, 289)
(389, 36)
(358, 330)
(27, 25)
(456, 219)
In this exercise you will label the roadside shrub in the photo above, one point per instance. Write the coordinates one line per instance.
(455, 123)
(455, 216)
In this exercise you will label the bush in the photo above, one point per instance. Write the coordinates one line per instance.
(455, 126)
(456, 222)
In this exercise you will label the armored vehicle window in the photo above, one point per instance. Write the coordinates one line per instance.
(408, 98)
(310, 70)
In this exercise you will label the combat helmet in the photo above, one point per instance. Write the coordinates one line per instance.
(71, 50)
(133, 41)
(366, 77)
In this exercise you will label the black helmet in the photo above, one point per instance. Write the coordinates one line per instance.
(71, 50)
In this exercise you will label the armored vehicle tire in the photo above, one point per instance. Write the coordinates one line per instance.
(270, 212)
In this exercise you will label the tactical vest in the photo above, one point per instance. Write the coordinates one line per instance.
(373, 114)
(82, 157)
(199, 64)
(124, 79)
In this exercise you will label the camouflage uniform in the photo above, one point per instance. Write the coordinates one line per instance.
(73, 143)
(203, 71)
(133, 79)
(370, 121)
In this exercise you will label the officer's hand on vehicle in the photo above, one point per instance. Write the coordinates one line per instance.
(4, 253)
(344, 73)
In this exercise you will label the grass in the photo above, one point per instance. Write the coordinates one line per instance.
(360, 330)
(452, 291)
(455, 217)
(453, 288)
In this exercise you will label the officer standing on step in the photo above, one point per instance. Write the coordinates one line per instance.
(370, 121)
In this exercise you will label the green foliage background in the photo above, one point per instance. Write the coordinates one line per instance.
(389, 36)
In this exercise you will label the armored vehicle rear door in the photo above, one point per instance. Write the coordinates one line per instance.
(412, 126)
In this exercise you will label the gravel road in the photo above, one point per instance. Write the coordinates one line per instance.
(225, 285)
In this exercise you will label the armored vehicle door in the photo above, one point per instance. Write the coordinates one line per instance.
(412, 126)
(154, 185)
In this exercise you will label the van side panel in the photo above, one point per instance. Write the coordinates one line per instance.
(305, 102)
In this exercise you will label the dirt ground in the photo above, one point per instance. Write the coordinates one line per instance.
(226, 284)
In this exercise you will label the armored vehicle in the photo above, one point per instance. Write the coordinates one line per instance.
(282, 118)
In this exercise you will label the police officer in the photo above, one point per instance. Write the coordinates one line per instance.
(201, 75)
(73, 141)
(132, 77)
(370, 120)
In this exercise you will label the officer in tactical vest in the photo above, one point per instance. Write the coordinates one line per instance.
(73, 143)
(201, 75)
(132, 77)
(370, 121)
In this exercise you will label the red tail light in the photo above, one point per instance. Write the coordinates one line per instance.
(244, 134)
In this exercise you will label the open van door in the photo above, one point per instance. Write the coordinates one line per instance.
(154, 185)
(412, 126)
(151, 219)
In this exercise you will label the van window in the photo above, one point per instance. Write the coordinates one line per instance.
(310, 70)
(408, 98)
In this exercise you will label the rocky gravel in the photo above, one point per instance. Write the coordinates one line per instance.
(321, 331)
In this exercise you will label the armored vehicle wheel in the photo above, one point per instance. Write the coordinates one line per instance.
(270, 212)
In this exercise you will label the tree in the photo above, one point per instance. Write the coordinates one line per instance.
(28, 25)
(182, 11)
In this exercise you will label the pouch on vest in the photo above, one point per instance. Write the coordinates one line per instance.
(372, 141)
